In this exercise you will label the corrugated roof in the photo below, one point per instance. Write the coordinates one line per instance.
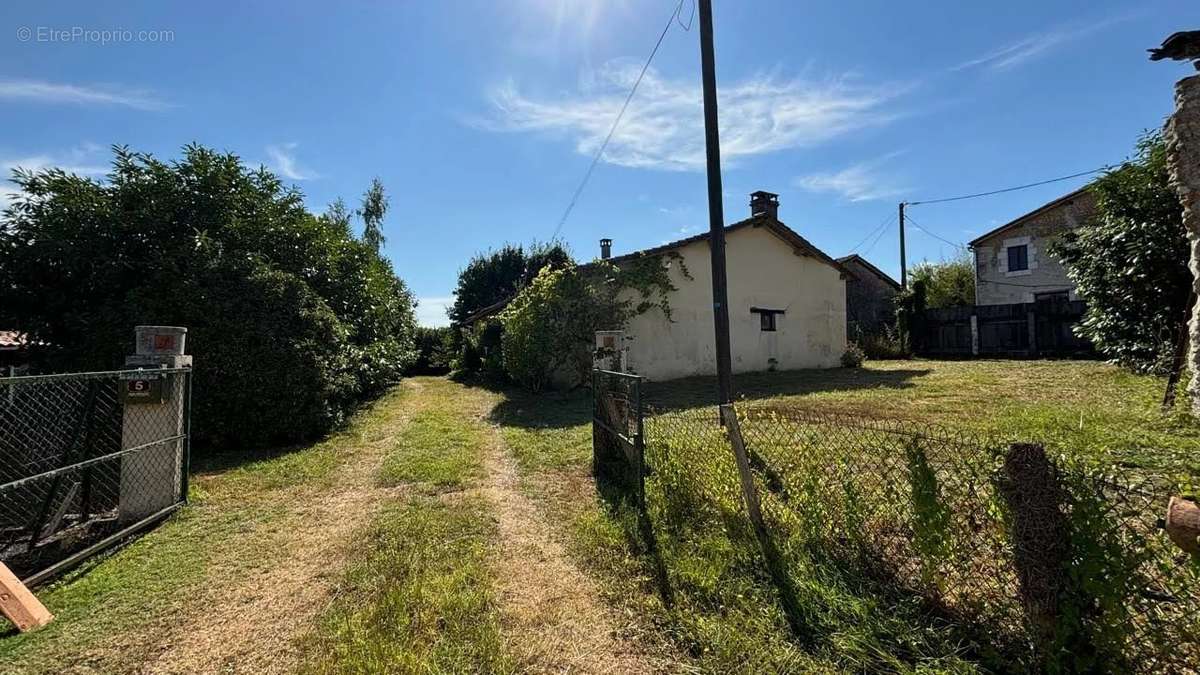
(854, 257)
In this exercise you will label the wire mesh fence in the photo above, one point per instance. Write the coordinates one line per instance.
(84, 458)
(1035, 561)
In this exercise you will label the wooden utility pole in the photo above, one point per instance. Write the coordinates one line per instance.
(903, 260)
(716, 210)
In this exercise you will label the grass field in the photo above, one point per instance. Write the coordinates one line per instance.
(701, 583)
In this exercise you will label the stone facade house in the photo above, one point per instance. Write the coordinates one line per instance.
(1013, 263)
(787, 303)
(870, 297)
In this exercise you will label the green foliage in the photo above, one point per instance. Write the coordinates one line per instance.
(1130, 262)
(950, 283)
(548, 327)
(291, 320)
(930, 517)
(435, 350)
(853, 356)
(497, 275)
(885, 344)
(374, 208)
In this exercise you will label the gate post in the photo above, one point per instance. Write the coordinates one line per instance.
(152, 478)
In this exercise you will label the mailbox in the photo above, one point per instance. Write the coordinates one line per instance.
(145, 388)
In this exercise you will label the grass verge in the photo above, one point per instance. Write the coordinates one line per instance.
(236, 521)
(420, 599)
(419, 595)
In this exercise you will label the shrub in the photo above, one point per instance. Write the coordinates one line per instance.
(434, 351)
(548, 329)
(884, 345)
(853, 356)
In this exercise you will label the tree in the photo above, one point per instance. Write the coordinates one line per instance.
(1130, 262)
(374, 207)
(950, 283)
(289, 315)
(493, 276)
(338, 215)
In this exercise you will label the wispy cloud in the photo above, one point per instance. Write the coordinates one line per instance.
(79, 94)
(864, 181)
(283, 161)
(1032, 46)
(664, 126)
(83, 159)
(432, 311)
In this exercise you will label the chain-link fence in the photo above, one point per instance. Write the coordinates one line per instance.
(1040, 562)
(86, 460)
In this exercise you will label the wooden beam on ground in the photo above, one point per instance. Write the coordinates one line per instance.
(19, 604)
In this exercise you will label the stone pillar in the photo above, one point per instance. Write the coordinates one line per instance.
(152, 477)
(1183, 158)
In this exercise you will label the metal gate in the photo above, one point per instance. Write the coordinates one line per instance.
(618, 447)
(86, 460)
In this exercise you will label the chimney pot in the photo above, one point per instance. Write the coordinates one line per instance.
(605, 248)
(764, 203)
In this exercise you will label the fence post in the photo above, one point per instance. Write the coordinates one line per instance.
(152, 478)
(974, 333)
(1031, 320)
(640, 445)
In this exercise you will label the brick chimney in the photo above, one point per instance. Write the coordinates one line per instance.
(605, 248)
(764, 204)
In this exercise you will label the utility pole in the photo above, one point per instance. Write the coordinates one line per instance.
(903, 260)
(716, 210)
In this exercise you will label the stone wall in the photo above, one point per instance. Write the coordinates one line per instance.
(1183, 155)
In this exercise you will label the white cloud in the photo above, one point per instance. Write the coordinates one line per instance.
(96, 94)
(856, 183)
(432, 311)
(83, 159)
(283, 161)
(1032, 46)
(664, 126)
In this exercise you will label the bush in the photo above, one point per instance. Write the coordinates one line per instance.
(548, 329)
(886, 345)
(434, 351)
(291, 319)
(853, 356)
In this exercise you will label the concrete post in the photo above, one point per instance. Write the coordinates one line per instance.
(1183, 158)
(974, 335)
(152, 478)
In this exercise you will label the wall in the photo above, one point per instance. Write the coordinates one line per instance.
(1183, 156)
(870, 301)
(763, 271)
(994, 287)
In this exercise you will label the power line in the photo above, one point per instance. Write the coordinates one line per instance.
(1011, 189)
(886, 221)
(909, 219)
(882, 231)
(599, 153)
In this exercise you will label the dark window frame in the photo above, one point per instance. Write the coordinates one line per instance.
(767, 322)
(1021, 253)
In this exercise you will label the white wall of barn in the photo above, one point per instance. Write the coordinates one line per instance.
(763, 271)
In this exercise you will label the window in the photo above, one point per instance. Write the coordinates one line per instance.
(1018, 258)
(766, 318)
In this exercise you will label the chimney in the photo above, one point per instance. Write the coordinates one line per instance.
(764, 204)
(605, 248)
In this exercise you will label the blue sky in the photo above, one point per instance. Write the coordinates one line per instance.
(481, 117)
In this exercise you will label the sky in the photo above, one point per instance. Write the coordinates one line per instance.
(482, 117)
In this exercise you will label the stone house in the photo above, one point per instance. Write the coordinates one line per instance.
(1013, 263)
(870, 297)
(787, 303)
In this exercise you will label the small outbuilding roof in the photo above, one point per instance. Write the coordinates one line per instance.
(11, 340)
(858, 259)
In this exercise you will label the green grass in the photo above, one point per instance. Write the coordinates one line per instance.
(420, 600)
(419, 596)
(695, 574)
(238, 513)
(442, 444)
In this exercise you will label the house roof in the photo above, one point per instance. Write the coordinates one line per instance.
(799, 244)
(856, 258)
(1016, 222)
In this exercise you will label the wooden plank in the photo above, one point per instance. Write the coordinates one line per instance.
(19, 604)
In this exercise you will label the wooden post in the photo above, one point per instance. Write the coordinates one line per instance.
(903, 258)
(716, 208)
(19, 604)
(1031, 320)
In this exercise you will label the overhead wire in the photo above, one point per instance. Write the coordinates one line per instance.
(886, 221)
(624, 106)
(1009, 189)
(909, 219)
